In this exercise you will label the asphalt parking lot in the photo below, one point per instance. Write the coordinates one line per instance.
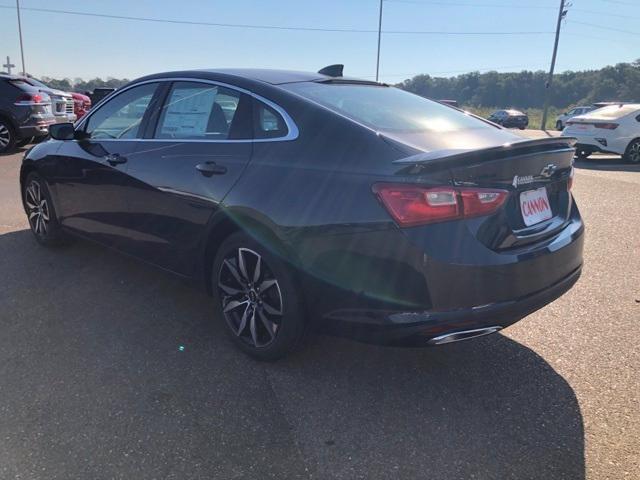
(94, 383)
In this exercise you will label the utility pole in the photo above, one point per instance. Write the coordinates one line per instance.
(547, 97)
(379, 39)
(24, 70)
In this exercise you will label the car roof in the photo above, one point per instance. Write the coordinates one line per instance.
(6, 76)
(255, 75)
(514, 112)
(274, 77)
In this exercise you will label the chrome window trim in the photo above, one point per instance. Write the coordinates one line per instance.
(292, 128)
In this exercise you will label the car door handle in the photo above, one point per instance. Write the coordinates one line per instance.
(115, 159)
(210, 168)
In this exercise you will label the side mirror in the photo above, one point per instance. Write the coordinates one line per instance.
(62, 131)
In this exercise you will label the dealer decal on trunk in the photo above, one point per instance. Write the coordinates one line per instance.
(534, 205)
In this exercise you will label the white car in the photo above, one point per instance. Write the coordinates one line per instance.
(612, 129)
(561, 120)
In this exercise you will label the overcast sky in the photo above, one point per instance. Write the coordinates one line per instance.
(65, 45)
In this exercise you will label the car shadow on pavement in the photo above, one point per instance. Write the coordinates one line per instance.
(613, 164)
(112, 369)
(15, 150)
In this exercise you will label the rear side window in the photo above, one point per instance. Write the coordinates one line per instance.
(121, 117)
(387, 108)
(202, 111)
(267, 122)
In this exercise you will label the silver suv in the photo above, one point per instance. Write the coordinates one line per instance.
(25, 113)
(61, 102)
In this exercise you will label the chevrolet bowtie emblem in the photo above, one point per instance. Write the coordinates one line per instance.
(546, 172)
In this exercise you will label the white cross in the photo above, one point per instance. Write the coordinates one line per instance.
(8, 65)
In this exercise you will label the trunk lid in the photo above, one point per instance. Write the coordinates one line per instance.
(535, 173)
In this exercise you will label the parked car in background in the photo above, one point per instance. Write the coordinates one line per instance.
(99, 93)
(62, 103)
(611, 129)
(25, 113)
(561, 120)
(510, 119)
(81, 104)
(333, 203)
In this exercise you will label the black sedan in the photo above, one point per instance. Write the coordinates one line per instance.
(510, 119)
(307, 201)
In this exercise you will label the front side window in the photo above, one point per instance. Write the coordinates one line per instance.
(200, 111)
(121, 117)
(386, 108)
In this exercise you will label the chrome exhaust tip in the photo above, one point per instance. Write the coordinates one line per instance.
(462, 335)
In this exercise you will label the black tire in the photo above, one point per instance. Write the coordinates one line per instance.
(24, 141)
(559, 125)
(632, 153)
(7, 136)
(266, 323)
(41, 212)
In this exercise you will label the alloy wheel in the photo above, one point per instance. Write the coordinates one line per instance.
(5, 136)
(37, 208)
(634, 152)
(251, 297)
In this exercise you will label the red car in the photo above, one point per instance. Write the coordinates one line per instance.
(81, 104)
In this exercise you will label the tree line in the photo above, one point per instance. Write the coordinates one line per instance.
(526, 89)
(81, 86)
(523, 90)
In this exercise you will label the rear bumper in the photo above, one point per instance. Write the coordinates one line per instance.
(418, 284)
(35, 128)
(417, 328)
(599, 143)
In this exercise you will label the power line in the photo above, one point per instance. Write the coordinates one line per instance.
(621, 3)
(276, 27)
(505, 6)
(441, 32)
(605, 14)
(602, 27)
(456, 4)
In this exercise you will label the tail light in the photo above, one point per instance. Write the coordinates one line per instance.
(28, 98)
(570, 179)
(411, 205)
(608, 126)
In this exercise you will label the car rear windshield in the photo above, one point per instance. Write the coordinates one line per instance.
(614, 111)
(21, 84)
(386, 108)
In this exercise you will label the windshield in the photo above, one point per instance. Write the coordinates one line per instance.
(614, 111)
(387, 108)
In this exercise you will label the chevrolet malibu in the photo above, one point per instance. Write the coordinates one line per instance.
(314, 201)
